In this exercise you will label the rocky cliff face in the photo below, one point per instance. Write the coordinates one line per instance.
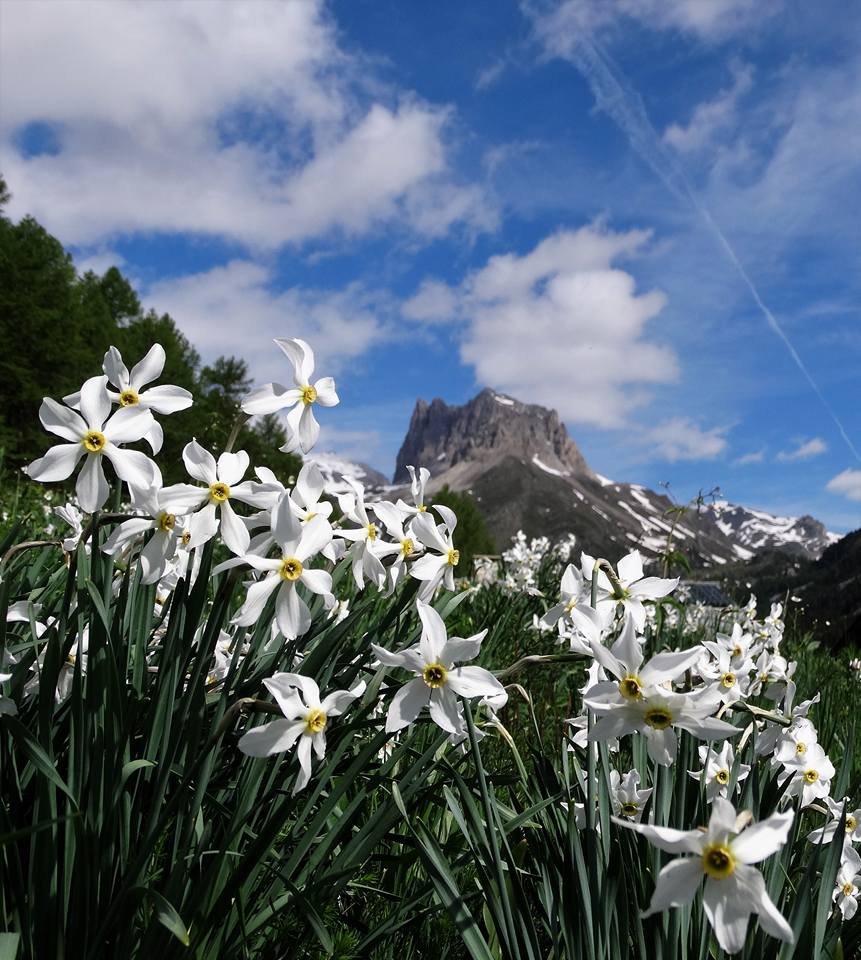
(487, 429)
(526, 473)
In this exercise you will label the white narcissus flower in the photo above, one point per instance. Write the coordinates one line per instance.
(303, 430)
(224, 482)
(94, 433)
(657, 717)
(436, 566)
(626, 797)
(306, 717)
(162, 506)
(574, 590)
(298, 543)
(852, 826)
(634, 588)
(724, 854)
(809, 775)
(634, 679)
(403, 547)
(418, 482)
(438, 683)
(847, 883)
(363, 553)
(71, 515)
(717, 770)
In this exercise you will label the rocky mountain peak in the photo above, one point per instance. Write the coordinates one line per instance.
(488, 428)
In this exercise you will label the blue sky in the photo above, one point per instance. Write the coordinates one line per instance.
(544, 198)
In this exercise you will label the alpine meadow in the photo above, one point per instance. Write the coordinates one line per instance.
(258, 700)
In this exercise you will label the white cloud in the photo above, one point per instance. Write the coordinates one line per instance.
(755, 456)
(235, 309)
(237, 119)
(99, 261)
(712, 117)
(847, 483)
(709, 20)
(560, 325)
(804, 450)
(679, 438)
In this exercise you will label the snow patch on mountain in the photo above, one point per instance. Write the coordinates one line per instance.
(336, 470)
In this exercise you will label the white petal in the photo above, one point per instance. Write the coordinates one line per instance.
(304, 754)
(291, 612)
(255, 600)
(202, 526)
(326, 395)
(283, 687)
(125, 533)
(199, 463)
(58, 463)
(270, 398)
(309, 429)
(132, 466)
(314, 535)
(444, 710)
(677, 884)
(666, 838)
(182, 497)
(727, 907)
(95, 402)
(433, 636)
(166, 399)
(662, 745)
(234, 533)
(652, 588)
(155, 556)
(114, 368)
(149, 368)
(155, 437)
(128, 424)
(407, 704)
(337, 702)
(231, 467)
(630, 567)
(301, 357)
(92, 488)
(274, 737)
(62, 421)
(458, 649)
(317, 581)
(474, 682)
(409, 659)
(761, 840)
(669, 665)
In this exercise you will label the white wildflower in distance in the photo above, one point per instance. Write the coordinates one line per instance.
(71, 515)
(723, 854)
(437, 565)
(161, 508)
(223, 479)
(306, 717)
(302, 429)
(846, 886)
(809, 775)
(626, 797)
(852, 826)
(94, 433)
(403, 546)
(717, 770)
(298, 543)
(634, 588)
(363, 553)
(438, 683)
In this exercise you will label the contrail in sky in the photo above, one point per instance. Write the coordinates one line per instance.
(614, 95)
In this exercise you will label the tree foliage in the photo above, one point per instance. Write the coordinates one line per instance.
(56, 324)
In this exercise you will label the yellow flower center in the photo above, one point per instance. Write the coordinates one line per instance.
(434, 675)
(128, 398)
(372, 531)
(219, 492)
(658, 718)
(800, 748)
(728, 680)
(186, 537)
(94, 441)
(848, 889)
(315, 722)
(570, 605)
(722, 777)
(453, 557)
(291, 569)
(407, 547)
(630, 687)
(718, 861)
(309, 516)
(763, 677)
(629, 809)
(851, 823)
(166, 522)
(309, 395)
(811, 776)
(736, 651)
(421, 508)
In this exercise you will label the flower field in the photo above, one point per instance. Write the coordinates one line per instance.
(242, 719)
